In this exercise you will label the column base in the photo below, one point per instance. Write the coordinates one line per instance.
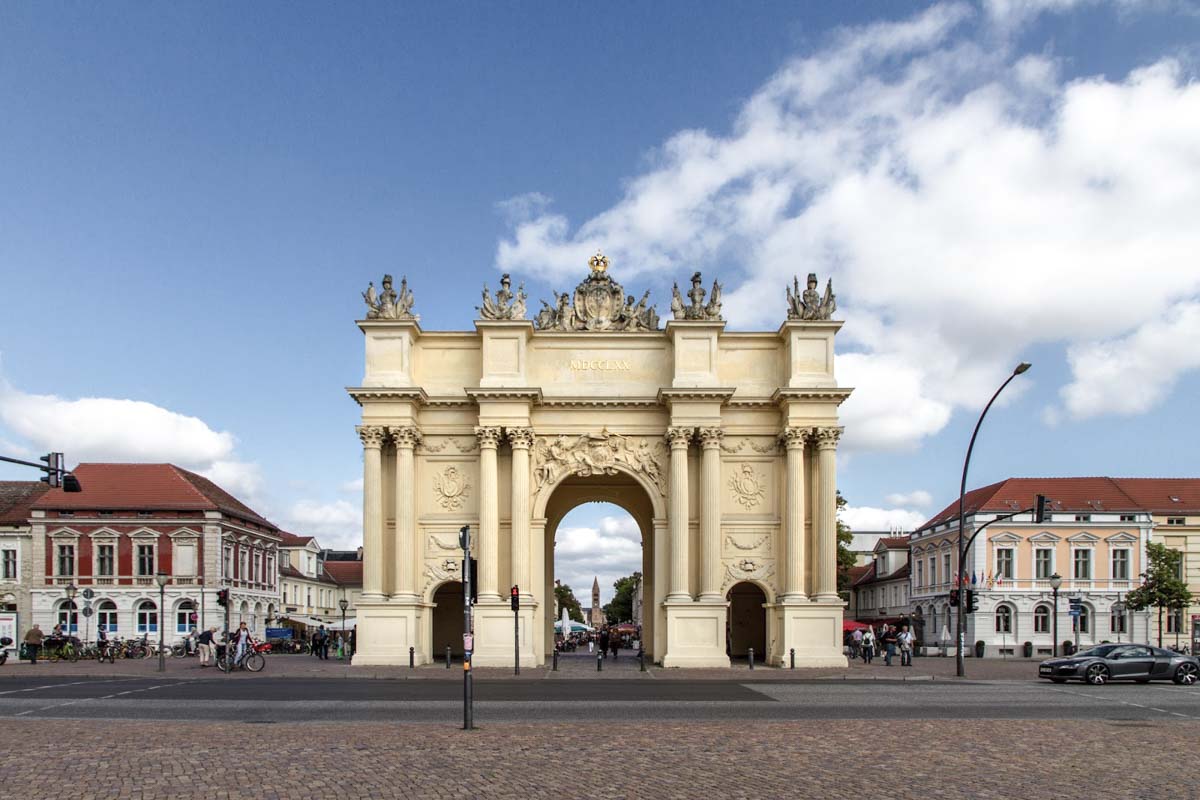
(814, 631)
(385, 632)
(794, 599)
(494, 634)
(695, 635)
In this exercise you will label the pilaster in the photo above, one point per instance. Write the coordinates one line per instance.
(405, 439)
(794, 544)
(372, 437)
(826, 440)
(489, 515)
(710, 515)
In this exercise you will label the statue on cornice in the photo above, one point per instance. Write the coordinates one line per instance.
(389, 304)
(698, 308)
(507, 305)
(809, 304)
(598, 304)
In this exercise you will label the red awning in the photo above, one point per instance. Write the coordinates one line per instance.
(851, 625)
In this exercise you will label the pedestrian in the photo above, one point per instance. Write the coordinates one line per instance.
(614, 643)
(353, 639)
(604, 642)
(321, 640)
(890, 639)
(906, 640)
(206, 645)
(868, 645)
(33, 642)
(856, 642)
(591, 645)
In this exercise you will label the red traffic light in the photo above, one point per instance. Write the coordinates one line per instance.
(516, 598)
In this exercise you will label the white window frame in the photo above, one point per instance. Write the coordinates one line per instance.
(1175, 623)
(146, 613)
(110, 625)
(137, 558)
(1036, 552)
(1047, 614)
(58, 558)
(920, 573)
(1114, 618)
(1012, 563)
(15, 549)
(1085, 615)
(1091, 562)
(1006, 611)
(112, 572)
(181, 612)
(1112, 558)
(67, 611)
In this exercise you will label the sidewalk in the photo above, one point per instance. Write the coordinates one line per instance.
(571, 667)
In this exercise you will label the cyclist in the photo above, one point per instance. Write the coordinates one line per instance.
(241, 641)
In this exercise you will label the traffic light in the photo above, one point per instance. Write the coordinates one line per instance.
(954, 597)
(53, 469)
(474, 582)
(223, 598)
(516, 598)
(1039, 514)
(972, 602)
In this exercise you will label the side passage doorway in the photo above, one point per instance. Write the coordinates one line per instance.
(747, 621)
(448, 620)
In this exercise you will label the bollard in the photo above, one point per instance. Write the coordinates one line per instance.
(447, 656)
(793, 658)
(751, 654)
(641, 660)
(412, 657)
(599, 662)
(555, 660)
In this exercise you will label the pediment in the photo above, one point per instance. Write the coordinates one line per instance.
(184, 533)
(1084, 536)
(1045, 537)
(144, 533)
(64, 533)
(1005, 538)
(1124, 537)
(105, 533)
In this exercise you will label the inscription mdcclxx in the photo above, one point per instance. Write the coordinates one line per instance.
(600, 364)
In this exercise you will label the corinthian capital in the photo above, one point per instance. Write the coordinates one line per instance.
(711, 437)
(520, 438)
(794, 438)
(827, 438)
(372, 436)
(487, 436)
(405, 436)
(679, 437)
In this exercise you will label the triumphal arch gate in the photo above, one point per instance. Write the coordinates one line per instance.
(720, 444)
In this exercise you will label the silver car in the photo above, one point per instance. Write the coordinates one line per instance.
(1122, 662)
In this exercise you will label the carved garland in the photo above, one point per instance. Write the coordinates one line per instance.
(757, 543)
(748, 569)
(596, 454)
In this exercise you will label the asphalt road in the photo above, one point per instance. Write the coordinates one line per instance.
(273, 699)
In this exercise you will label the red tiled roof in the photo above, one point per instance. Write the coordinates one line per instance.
(287, 570)
(871, 577)
(1157, 494)
(346, 573)
(1069, 494)
(16, 499)
(143, 487)
(895, 542)
(292, 540)
(866, 575)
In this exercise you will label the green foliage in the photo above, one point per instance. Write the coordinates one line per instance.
(1162, 587)
(566, 599)
(845, 558)
(620, 608)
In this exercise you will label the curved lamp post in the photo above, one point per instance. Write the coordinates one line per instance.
(161, 579)
(1055, 584)
(959, 656)
(71, 590)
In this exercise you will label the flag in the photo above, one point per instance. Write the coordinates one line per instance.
(973, 581)
(991, 579)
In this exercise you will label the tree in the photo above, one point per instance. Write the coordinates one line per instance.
(566, 599)
(1162, 587)
(845, 558)
(620, 608)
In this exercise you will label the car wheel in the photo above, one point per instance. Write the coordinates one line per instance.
(1059, 680)
(1097, 675)
(1187, 674)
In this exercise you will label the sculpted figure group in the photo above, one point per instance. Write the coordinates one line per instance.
(389, 304)
(507, 305)
(698, 309)
(595, 454)
(809, 305)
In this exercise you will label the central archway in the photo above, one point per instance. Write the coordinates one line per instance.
(628, 492)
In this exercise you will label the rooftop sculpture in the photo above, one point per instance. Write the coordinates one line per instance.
(599, 304)
(507, 305)
(698, 308)
(809, 305)
(389, 304)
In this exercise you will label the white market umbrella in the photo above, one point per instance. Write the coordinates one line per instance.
(575, 627)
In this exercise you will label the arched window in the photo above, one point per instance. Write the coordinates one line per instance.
(1083, 623)
(1117, 622)
(106, 616)
(183, 616)
(1003, 619)
(1041, 619)
(933, 623)
(243, 611)
(147, 617)
(68, 625)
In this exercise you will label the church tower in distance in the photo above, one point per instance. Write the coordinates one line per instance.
(595, 615)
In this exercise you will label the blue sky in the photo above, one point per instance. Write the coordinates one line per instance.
(193, 197)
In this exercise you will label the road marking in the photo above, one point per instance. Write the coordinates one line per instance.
(89, 699)
(1112, 699)
(58, 685)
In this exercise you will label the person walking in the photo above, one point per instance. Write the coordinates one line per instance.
(889, 643)
(604, 642)
(33, 642)
(614, 644)
(868, 645)
(906, 641)
(205, 639)
(321, 643)
(856, 642)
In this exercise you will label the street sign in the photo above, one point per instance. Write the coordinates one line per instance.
(468, 642)
(193, 617)
(1074, 612)
(88, 594)
(88, 611)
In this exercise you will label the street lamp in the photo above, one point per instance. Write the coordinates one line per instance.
(161, 578)
(343, 605)
(1118, 608)
(71, 591)
(960, 658)
(1055, 584)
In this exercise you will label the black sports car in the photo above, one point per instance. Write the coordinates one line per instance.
(1123, 662)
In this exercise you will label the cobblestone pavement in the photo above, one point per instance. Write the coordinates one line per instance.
(634, 759)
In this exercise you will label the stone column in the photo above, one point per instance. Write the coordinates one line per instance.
(489, 515)
(405, 439)
(677, 513)
(710, 515)
(826, 441)
(372, 439)
(794, 590)
(521, 440)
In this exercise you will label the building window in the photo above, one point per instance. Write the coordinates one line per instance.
(1041, 619)
(1120, 564)
(8, 563)
(147, 617)
(243, 565)
(145, 559)
(105, 560)
(1083, 623)
(1174, 620)
(1128, 518)
(1004, 563)
(1083, 517)
(227, 564)
(933, 580)
(1043, 561)
(1177, 520)
(1082, 560)
(106, 616)
(1117, 622)
(920, 574)
(73, 622)
(145, 514)
(1003, 619)
(258, 567)
(308, 597)
(183, 617)
(66, 559)
(945, 567)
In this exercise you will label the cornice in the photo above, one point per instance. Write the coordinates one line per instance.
(361, 393)
(837, 395)
(834, 325)
(600, 402)
(532, 395)
(721, 394)
(385, 324)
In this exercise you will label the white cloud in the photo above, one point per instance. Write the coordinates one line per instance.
(919, 498)
(353, 487)
(337, 525)
(968, 201)
(610, 550)
(866, 518)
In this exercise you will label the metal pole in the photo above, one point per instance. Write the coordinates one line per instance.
(641, 659)
(751, 654)
(412, 653)
(599, 662)
(1075, 624)
(1055, 650)
(447, 656)
(959, 656)
(554, 659)
(516, 642)
(162, 599)
(468, 685)
(793, 654)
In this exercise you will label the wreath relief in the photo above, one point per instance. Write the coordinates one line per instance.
(452, 487)
(747, 486)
